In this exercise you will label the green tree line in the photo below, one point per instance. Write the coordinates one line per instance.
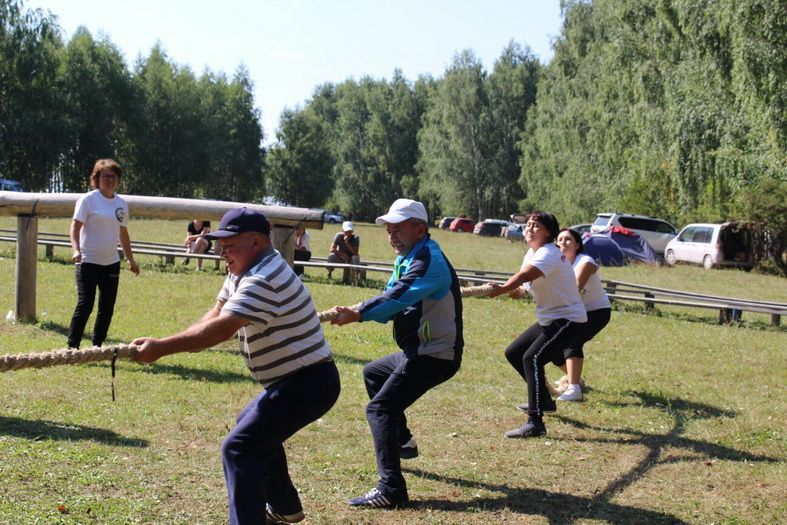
(65, 104)
(672, 108)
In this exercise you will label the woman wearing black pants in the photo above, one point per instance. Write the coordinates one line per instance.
(559, 312)
(100, 220)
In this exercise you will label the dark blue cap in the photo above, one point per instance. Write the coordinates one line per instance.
(240, 220)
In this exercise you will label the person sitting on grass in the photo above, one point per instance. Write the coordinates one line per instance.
(282, 342)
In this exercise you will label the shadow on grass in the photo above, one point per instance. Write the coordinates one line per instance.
(566, 508)
(51, 326)
(556, 507)
(681, 411)
(196, 374)
(40, 430)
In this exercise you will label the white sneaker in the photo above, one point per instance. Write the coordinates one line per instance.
(572, 393)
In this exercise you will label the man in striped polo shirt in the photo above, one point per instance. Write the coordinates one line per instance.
(424, 301)
(282, 342)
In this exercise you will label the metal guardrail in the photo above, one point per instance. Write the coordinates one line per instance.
(730, 308)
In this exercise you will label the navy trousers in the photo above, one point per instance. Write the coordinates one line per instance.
(90, 277)
(255, 465)
(394, 383)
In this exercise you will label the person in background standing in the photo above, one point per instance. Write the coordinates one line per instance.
(100, 220)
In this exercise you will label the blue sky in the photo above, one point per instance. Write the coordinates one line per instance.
(291, 46)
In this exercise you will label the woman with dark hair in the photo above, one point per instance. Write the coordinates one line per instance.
(195, 241)
(596, 304)
(560, 317)
(100, 220)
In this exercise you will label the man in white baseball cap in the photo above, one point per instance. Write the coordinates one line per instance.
(344, 249)
(403, 209)
(424, 301)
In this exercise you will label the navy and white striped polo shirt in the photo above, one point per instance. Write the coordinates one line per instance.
(284, 334)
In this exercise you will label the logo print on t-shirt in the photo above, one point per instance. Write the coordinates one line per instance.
(119, 214)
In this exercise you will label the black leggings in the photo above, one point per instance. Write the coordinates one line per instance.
(537, 346)
(597, 320)
(89, 277)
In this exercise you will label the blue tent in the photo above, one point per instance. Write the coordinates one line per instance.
(618, 246)
(603, 249)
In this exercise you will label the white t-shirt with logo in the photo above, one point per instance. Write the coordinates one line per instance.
(556, 293)
(595, 298)
(101, 220)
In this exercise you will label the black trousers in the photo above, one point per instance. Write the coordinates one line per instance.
(394, 383)
(90, 277)
(301, 255)
(535, 347)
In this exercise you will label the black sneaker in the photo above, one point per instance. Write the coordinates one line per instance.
(376, 500)
(409, 450)
(549, 406)
(528, 430)
(273, 518)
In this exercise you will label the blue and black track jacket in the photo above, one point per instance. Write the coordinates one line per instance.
(424, 300)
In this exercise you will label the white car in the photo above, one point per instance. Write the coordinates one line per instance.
(712, 245)
(656, 231)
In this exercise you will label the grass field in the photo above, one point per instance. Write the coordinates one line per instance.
(684, 421)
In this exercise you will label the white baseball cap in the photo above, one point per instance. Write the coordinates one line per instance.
(403, 209)
(347, 226)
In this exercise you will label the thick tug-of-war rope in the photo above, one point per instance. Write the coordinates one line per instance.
(69, 356)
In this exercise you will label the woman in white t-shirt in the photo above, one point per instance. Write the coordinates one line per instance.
(560, 316)
(597, 305)
(100, 220)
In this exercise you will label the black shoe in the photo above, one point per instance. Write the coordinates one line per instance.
(549, 406)
(409, 450)
(528, 430)
(273, 518)
(376, 500)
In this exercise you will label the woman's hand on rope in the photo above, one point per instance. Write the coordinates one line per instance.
(148, 349)
(496, 290)
(346, 315)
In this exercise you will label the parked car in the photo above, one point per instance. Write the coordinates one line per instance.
(656, 231)
(489, 227)
(712, 245)
(581, 228)
(332, 217)
(445, 222)
(513, 232)
(10, 185)
(460, 224)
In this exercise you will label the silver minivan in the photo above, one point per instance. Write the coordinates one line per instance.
(712, 245)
